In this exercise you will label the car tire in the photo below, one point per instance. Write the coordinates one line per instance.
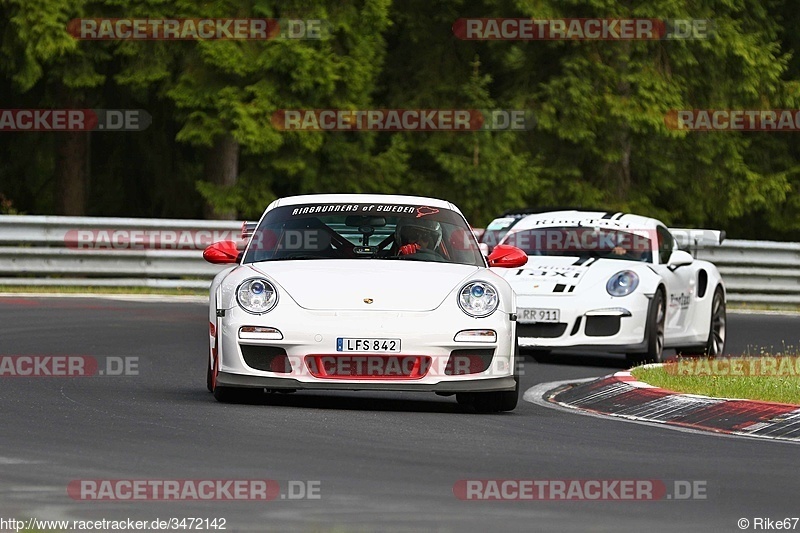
(230, 394)
(211, 378)
(717, 330)
(495, 401)
(508, 400)
(464, 398)
(654, 332)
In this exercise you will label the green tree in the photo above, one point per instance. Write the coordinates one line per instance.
(227, 91)
(429, 68)
(37, 49)
(603, 107)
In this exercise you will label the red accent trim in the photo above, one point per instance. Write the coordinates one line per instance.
(368, 366)
(215, 373)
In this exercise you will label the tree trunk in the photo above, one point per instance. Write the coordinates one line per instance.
(624, 175)
(221, 167)
(72, 150)
(623, 171)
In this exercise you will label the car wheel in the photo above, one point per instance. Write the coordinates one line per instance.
(211, 373)
(656, 317)
(464, 398)
(211, 376)
(507, 400)
(496, 401)
(715, 344)
(230, 394)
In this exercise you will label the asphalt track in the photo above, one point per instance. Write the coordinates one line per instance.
(384, 462)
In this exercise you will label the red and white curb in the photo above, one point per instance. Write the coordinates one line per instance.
(623, 396)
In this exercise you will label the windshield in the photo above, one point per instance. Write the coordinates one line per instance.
(606, 243)
(496, 230)
(364, 231)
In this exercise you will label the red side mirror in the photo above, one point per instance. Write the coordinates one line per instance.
(506, 256)
(222, 253)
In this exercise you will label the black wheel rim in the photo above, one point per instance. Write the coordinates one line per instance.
(660, 319)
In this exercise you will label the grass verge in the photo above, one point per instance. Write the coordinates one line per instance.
(744, 306)
(767, 378)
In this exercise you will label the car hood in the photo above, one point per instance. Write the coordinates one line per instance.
(564, 275)
(391, 285)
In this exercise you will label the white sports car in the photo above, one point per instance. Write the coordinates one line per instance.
(613, 282)
(356, 292)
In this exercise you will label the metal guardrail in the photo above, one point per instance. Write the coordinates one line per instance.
(164, 253)
(60, 231)
(109, 252)
(761, 272)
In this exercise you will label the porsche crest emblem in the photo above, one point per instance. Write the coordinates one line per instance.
(368, 300)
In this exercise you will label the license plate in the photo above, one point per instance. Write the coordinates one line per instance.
(539, 315)
(352, 344)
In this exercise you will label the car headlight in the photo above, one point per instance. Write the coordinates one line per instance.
(622, 283)
(478, 299)
(256, 296)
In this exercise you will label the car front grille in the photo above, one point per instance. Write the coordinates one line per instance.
(469, 361)
(269, 358)
(368, 366)
(602, 326)
(543, 331)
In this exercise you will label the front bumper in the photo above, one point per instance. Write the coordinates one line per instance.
(606, 323)
(479, 385)
(306, 334)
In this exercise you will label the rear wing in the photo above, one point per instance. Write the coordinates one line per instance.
(248, 228)
(697, 238)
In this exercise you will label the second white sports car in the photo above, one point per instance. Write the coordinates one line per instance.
(614, 282)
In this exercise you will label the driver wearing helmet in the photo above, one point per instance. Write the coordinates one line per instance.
(413, 235)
